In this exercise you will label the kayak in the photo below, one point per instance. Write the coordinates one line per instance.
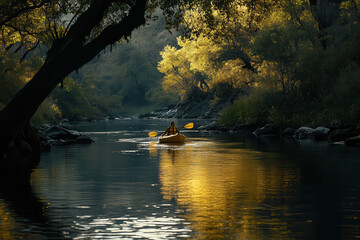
(176, 138)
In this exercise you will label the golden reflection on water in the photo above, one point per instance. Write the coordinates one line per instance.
(7, 222)
(21, 204)
(223, 190)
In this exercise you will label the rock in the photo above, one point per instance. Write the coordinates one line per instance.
(66, 125)
(45, 126)
(61, 142)
(59, 135)
(210, 114)
(212, 126)
(267, 130)
(191, 108)
(288, 133)
(164, 112)
(321, 133)
(354, 141)
(84, 139)
(81, 139)
(224, 128)
(244, 128)
(60, 132)
(304, 133)
(339, 135)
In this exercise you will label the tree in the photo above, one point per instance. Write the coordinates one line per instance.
(93, 29)
(215, 52)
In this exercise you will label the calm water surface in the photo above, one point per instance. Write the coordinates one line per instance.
(216, 186)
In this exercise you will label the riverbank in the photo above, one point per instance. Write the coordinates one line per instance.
(204, 107)
(63, 134)
(349, 135)
(59, 135)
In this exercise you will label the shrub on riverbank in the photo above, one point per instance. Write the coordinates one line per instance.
(255, 108)
(271, 106)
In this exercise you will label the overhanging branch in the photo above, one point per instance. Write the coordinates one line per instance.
(115, 32)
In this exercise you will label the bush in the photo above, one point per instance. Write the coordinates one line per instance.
(254, 108)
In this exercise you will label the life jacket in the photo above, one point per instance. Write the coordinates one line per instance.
(173, 130)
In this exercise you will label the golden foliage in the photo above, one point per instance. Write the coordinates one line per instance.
(204, 53)
(25, 29)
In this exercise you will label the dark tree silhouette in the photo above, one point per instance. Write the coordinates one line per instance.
(18, 145)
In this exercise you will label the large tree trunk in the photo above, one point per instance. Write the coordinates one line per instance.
(66, 55)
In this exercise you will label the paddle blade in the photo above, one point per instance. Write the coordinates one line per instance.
(152, 134)
(189, 125)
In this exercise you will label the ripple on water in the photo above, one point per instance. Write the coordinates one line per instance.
(134, 140)
(127, 151)
(150, 227)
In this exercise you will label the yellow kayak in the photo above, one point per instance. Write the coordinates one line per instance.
(176, 138)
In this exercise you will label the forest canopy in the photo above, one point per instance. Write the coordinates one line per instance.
(288, 62)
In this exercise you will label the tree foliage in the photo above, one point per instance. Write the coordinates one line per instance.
(299, 52)
(214, 53)
(93, 26)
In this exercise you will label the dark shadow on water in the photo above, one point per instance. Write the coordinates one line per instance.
(19, 201)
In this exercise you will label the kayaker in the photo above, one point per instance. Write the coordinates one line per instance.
(171, 130)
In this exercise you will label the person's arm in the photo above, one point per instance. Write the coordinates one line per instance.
(166, 131)
(177, 130)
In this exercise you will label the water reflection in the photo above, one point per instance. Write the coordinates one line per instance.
(23, 213)
(228, 193)
(217, 186)
(126, 227)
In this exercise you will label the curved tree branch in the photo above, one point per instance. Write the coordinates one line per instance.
(66, 55)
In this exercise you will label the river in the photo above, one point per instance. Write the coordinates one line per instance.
(216, 186)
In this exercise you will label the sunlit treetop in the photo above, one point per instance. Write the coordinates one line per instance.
(23, 23)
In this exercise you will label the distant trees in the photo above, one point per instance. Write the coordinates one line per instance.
(83, 99)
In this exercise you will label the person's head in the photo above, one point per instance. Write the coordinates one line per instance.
(172, 123)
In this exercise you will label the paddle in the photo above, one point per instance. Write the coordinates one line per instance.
(153, 134)
(187, 126)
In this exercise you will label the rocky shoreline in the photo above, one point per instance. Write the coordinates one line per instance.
(59, 135)
(62, 134)
(349, 136)
(200, 109)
